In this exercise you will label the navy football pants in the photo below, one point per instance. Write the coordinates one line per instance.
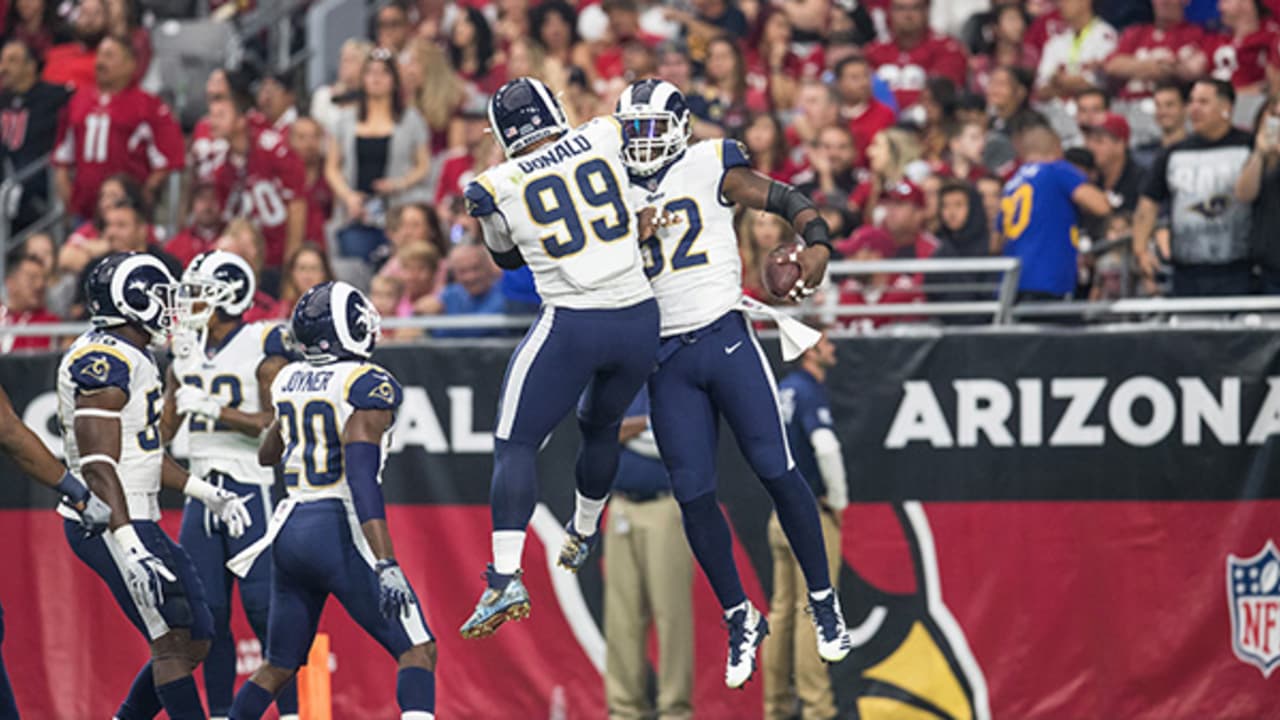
(597, 359)
(210, 546)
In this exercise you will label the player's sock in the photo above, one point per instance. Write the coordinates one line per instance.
(798, 515)
(508, 545)
(586, 514)
(251, 702)
(728, 612)
(416, 692)
(181, 699)
(287, 700)
(712, 545)
(597, 464)
(142, 702)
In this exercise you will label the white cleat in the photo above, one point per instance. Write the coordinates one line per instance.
(834, 643)
(747, 628)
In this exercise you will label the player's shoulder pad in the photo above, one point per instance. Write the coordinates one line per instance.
(606, 126)
(480, 198)
(732, 154)
(98, 366)
(372, 388)
(275, 342)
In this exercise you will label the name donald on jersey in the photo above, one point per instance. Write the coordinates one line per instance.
(571, 146)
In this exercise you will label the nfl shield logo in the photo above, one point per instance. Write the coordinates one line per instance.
(1253, 592)
(512, 132)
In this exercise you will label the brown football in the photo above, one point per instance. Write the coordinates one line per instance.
(780, 272)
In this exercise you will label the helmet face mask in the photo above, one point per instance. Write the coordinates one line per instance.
(217, 280)
(654, 138)
(655, 126)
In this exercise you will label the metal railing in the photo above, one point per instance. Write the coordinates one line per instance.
(1003, 310)
(14, 180)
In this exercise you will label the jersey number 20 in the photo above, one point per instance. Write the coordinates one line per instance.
(321, 445)
(551, 202)
(1015, 211)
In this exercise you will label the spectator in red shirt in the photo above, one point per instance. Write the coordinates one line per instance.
(1008, 47)
(206, 225)
(261, 179)
(33, 22)
(114, 127)
(1168, 49)
(277, 101)
(243, 239)
(966, 142)
(866, 115)
(24, 286)
(767, 147)
(831, 176)
(772, 69)
(87, 242)
(124, 20)
(817, 106)
(392, 27)
(1242, 54)
(306, 268)
(307, 140)
(471, 50)
(207, 152)
(73, 63)
(460, 166)
(915, 53)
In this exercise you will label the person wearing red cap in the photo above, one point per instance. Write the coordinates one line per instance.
(1118, 175)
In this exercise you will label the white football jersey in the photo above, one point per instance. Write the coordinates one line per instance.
(313, 404)
(694, 263)
(230, 373)
(564, 207)
(99, 360)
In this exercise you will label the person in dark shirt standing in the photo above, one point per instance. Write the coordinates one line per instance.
(788, 651)
(30, 111)
(1210, 226)
(650, 571)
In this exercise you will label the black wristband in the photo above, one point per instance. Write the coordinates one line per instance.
(816, 232)
(785, 200)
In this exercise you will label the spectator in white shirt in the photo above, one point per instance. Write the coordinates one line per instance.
(1072, 59)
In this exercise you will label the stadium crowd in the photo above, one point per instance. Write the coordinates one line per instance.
(900, 119)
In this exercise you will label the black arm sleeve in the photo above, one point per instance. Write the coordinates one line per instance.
(785, 200)
(508, 260)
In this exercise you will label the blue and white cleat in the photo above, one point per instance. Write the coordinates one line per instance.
(834, 643)
(576, 548)
(747, 629)
(501, 601)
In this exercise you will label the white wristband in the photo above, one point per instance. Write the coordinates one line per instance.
(127, 538)
(198, 489)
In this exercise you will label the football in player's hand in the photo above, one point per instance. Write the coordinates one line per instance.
(781, 270)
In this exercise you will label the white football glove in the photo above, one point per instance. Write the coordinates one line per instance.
(194, 401)
(229, 507)
(143, 571)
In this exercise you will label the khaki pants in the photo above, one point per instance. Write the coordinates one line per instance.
(791, 649)
(648, 573)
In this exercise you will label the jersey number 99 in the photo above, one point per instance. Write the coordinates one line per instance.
(321, 446)
(550, 202)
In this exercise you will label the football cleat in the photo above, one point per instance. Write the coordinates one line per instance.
(834, 642)
(497, 605)
(576, 548)
(747, 628)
